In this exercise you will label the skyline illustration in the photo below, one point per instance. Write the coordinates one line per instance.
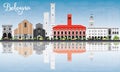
(60, 35)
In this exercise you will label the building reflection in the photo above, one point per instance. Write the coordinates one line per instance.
(50, 50)
(24, 48)
(69, 48)
(93, 47)
(102, 46)
(49, 55)
(39, 47)
(7, 47)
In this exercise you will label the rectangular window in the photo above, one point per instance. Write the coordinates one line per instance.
(72, 32)
(84, 32)
(69, 32)
(80, 32)
(76, 32)
(62, 32)
(65, 32)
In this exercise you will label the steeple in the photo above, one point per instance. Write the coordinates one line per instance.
(91, 20)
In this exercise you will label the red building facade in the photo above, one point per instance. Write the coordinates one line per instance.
(69, 31)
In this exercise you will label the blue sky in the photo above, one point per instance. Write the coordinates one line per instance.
(106, 12)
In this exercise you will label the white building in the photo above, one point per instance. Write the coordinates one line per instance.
(99, 33)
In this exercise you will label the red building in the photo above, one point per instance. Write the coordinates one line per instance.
(69, 31)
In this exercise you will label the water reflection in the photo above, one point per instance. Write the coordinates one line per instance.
(69, 48)
(50, 50)
(7, 47)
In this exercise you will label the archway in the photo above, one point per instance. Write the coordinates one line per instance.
(4, 35)
(9, 35)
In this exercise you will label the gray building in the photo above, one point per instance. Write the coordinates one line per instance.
(7, 32)
(39, 32)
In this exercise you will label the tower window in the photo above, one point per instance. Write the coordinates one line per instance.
(52, 14)
(69, 18)
(25, 25)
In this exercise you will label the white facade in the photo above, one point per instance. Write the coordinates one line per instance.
(46, 25)
(97, 33)
(52, 14)
(100, 33)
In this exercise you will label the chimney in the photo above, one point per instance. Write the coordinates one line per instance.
(69, 19)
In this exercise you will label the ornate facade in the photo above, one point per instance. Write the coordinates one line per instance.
(39, 32)
(7, 32)
(24, 30)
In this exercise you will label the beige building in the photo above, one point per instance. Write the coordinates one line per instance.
(24, 30)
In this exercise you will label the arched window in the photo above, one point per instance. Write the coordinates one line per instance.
(9, 35)
(25, 24)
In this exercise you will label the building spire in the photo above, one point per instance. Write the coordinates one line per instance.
(91, 20)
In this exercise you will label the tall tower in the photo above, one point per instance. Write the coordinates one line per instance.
(69, 19)
(52, 18)
(91, 20)
(46, 25)
(52, 14)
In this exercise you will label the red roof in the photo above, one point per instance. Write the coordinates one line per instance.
(69, 26)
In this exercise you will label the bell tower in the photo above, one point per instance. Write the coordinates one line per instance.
(91, 20)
